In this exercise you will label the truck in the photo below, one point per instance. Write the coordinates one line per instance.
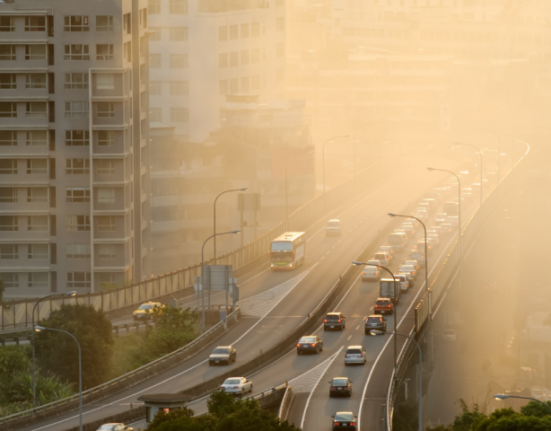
(386, 286)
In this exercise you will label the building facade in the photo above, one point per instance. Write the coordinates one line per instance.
(74, 145)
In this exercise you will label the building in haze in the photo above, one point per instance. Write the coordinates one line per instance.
(202, 50)
(74, 145)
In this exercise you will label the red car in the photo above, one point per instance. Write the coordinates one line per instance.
(384, 306)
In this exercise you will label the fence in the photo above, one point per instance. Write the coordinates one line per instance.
(451, 265)
(18, 314)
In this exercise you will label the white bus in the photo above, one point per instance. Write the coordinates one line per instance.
(288, 251)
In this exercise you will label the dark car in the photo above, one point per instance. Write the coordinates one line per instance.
(340, 386)
(309, 344)
(384, 306)
(334, 320)
(344, 421)
(223, 355)
(375, 321)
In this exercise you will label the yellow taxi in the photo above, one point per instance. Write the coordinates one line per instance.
(146, 310)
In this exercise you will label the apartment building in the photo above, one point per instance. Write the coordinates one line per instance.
(202, 50)
(74, 145)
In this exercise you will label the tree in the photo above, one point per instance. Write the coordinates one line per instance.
(57, 353)
(533, 408)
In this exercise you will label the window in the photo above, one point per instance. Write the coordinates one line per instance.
(76, 52)
(9, 251)
(106, 195)
(234, 32)
(77, 251)
(106, 110)
(105, 81)
(244, 30)
(104, 23)
(179, 115)
(7, 52)
(143, 17)
(222, 33)
(37, 223)
(177, 7)
(8, 109)
(37, 166)
(76, 81)
(127, 51)
(36, 109)
(77, 194)
(234, 59)
(6, 23)
(104, 52)
(37, 137)
(155, 88)
(77, 138)
(244, 57)
(223, 60)
(107, 251)
(8, 166)
(154, 61)
(37, 194)
(75, 23)
(8, 224)
(178, 61)
(37, 251)
(156, 114)
(7, 81)
(127, 23)
(106, 138)
(35, 52)
(179, 88)
(106, 166)
(78, 223)
(255, 29)
(154, 7)
(35, 23)
(79, 279)
(178, 34)
(35, 80)
(8, 194)
(280, 24)
(156, 34)
(106, 224)
(8, 138)
(77, 166)
(10, 279)
(76, 109)
(39, 280)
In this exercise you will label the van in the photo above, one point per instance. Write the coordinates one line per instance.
(451, 208)
(333, 228)
(396, 241)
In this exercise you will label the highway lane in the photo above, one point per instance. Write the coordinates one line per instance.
(358, 222)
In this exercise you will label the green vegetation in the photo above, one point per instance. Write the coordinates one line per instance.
(225, 413)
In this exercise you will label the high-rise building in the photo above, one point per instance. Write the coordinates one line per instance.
(74, 145)
(200, 51)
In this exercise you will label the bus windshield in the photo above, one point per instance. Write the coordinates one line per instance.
(282, 246)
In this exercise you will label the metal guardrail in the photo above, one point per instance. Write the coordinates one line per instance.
(17, 314)
(446, 273)
(74, 398)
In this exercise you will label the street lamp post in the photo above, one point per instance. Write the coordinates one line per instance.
(41, 328)
(480, 154)
(71, 293)
(498, 151)
(225, 191)
(505, 396)
(203, 274)
(286, 191)
(420, 395)
(323, 160)
(395, 311)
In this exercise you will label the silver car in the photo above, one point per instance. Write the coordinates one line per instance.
(355, 355)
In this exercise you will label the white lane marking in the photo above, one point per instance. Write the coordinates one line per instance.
(357, 327)
(299, 277)
(372, 308)
(254, 276)
(316, 385)
(349, 338)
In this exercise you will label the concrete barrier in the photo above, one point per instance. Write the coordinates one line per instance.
(286, 404)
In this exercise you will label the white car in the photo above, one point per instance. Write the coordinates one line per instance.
(403, 279)
(237, 385)
(355, 355)
(371, 273)
(408, 269)
(333, 227)
(115, 427)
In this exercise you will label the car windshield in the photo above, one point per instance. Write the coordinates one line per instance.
(373, 262)
(369, 268)
(232, 382)
(146, 306)
(106, 428)
(344, 417)
(374, 319)
(340, 382)
(406, 268)
(282, 246)
(332, 317)
(221, 350)
(382, 302)
(395, 239)
(380, 256)
(307, 340)
(354, 351)
(333, 224)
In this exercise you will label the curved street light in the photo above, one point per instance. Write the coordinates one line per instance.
(244, 189)
(502, 397)
(41, 328)
(480, 154)
(498, 149)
